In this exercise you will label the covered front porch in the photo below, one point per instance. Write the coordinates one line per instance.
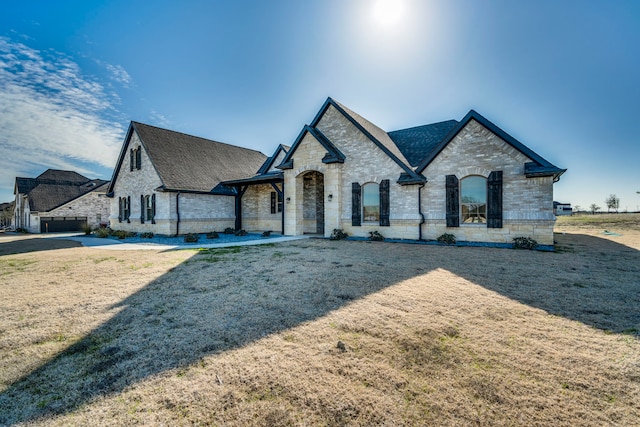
(259, 202)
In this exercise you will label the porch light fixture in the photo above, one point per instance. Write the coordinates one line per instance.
(330, 197)
(288, 199)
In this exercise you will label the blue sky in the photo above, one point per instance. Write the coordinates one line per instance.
(560, 76)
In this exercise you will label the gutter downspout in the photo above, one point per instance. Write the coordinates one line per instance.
(420, 211)
(178, 213)
(282, 207)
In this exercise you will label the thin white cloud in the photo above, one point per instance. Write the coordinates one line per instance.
(51, 115)
(119, 74)
(159, 119)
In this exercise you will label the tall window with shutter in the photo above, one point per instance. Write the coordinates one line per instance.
(153, 209)
(356, 205)
(127, 211)
(494, 200)
(276, 202)
(135, 158)
(452, 201)
(124, 208)
(370, 203)
(148, 208)
(385, 205)
(473, 200)
(139, 158)
(142, 208)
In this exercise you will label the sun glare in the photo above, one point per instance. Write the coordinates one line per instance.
(388, 12)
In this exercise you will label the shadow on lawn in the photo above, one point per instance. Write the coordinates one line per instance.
(33, 244)
(218, 301)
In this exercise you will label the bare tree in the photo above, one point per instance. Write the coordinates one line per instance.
(593, 208)
(6, 215)
(612, 202)
(576, 208)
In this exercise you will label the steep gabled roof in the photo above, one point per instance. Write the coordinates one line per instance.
(378, 135)
(24, 185)
(270, 160)
(538, 167)
(416, 142)
(190, 163)
(333, 155)
(47, 196)
(375, 134)
(54, 188)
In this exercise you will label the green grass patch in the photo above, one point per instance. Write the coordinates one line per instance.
(222, 251)
(620, 220)
(17, 263)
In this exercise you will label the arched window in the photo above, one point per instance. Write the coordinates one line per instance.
(473, 200)
(371, 202)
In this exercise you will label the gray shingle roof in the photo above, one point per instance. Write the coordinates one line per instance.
(24, 185)
(190, 163)
(62, 176)
(54, 188)
(376, 132)
(416, 142)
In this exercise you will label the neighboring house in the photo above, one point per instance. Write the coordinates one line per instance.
(467, 178)
(562, 208)
(59, 200)
(169, 183)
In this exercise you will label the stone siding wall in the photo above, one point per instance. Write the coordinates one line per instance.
(134, 184)
(527, 202)
(95, 206)
(199, 213)
(366, 162)
(256, 210)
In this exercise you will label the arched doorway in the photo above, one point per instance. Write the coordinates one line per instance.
(313, 202)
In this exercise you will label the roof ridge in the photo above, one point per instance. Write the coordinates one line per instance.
(428, 124)
(194, 136)
(358, 118)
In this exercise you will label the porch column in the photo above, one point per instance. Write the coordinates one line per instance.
(239, 193)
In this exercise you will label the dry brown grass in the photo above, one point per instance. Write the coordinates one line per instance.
(249, 336)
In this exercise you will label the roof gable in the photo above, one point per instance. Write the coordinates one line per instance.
(271, 161)
(375, 134)
(538, 167)
(333, 155)
(190, 163)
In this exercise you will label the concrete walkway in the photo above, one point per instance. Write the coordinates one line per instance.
(95, 242)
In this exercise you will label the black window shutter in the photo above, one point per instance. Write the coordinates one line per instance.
(153, 209)
(273, 202)
(142, 207)
(356, 205)
(138, 158)
(120, 210)
(131, 159)
(453, 201)
(384, 203)
(494, 200)
(128, 211)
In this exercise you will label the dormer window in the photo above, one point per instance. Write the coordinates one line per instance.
(135, 158)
